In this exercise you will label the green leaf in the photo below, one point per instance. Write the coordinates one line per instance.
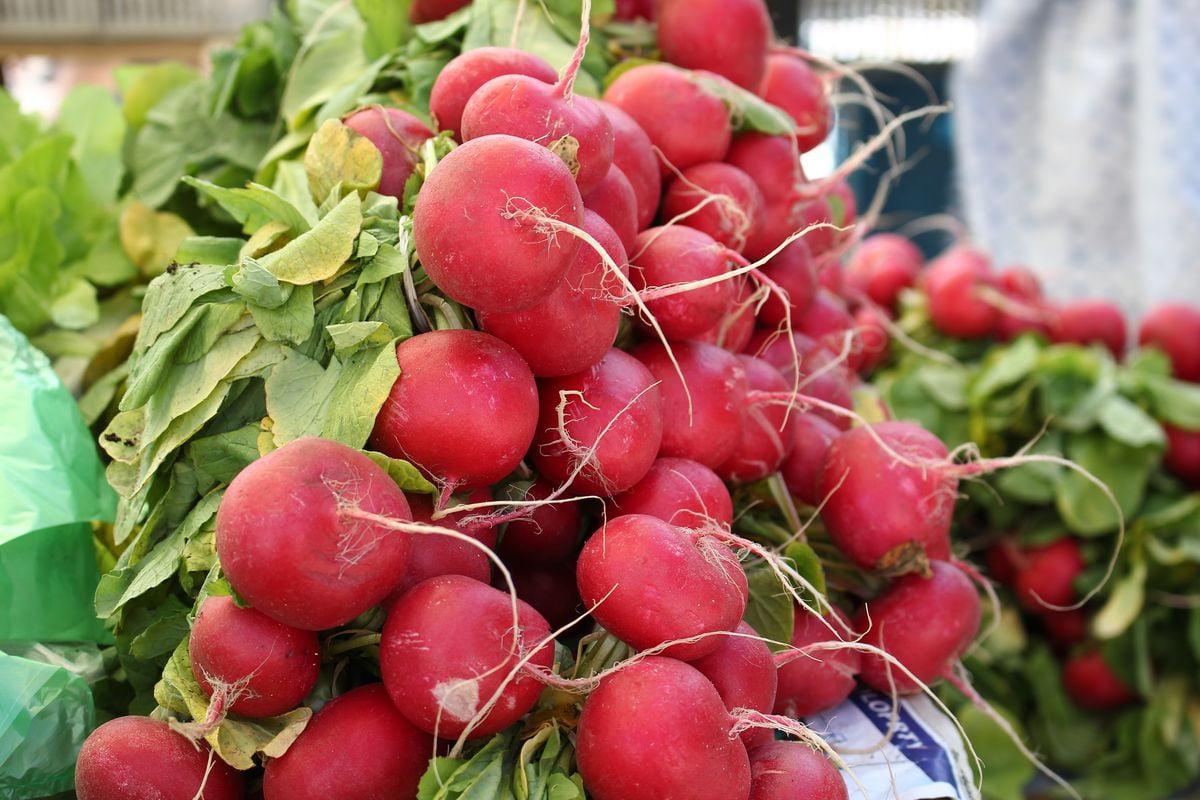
(144, 87)
(1033, 483)
(253, 206)
(169, 298)
(324, 64)
(748, 111)
(946, 385)
(1123, 469)
(349, 337)
(221, 457)
(214, 250)
(1008, 771)
(770, 610)
(1174, 402)
(406, 476)
(338, 155)
(75, 308)
(1126, 422)
(387, 24)
(257, 285)
(321, 252)
(290, 322)
(1004, 368)
(90, 114)
(291, 183)
(1123, 605)
(298, 394)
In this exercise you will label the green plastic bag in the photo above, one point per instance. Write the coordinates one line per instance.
(51, 489)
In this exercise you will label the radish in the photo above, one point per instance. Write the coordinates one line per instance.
(548, 535)
(423, 11)
(924, 623)
(813, 678)
(677, 254)
(634, 9)
(577, 323)
(138, 758)
(600, 428)
(871, 337)
(1088, 321)
(827, 321)
(448, 646)
(883, 513)
(953, 282)
(793, 770)
(440, 555)
(288, 547)
(1048, 573)
(1065, 628)
(792, 85)
(793, 271)
(397, 134)
(357, 746)
(550, 590)
(634, 155)
(743, 671)
(767, 433)
(1021, 282)
(801, 469)
(657, 730)
(679, 491)
(683, 120)
(1093, 685)
(884, 265)
(465, 73)
(728, 37)
(249, 663)
(624, 567)
(819, 377)
(1182, 457)
(464, 408)
(1028, 316)
(736, 326)
(708, 428)
(1004, 560)
(733, 205)
(1174, 328)
(480, 223)
(615, 201)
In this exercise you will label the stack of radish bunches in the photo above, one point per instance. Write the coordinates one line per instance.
(619, 362)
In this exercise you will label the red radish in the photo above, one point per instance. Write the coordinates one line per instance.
(1093, 685)
(842, 204)
(550, 590)
(1004, 560)
(730, 217)
(631, 559)
(448, 647)
(576, 325)
(434, 555)
(1048, 573)
(1182, 457)
(261, 667)
(430, 10)
(830, 276)
(659, 706)
(1032, 316)
(464, 408)
(677, 254)
(736, 327)
(883, 265)
(885, 514)
(463, 76)
(609, 418)
(767, 431)
(792, 85)
(815, 679)
(1088, 321)
(634, 154)
(549, 535)
(953, 282)
(483, 530)
(819, 377)
(743, 671)
(634, 9)
(821, 241)
(483, 223)
(684, 121)
(708, 431)
(357, 745)
(615, 201)
(397, 134)
(1066, 628)
(795, 273)
(827, 321)
(924, 623)
(1020, 282)
(1174, 328)
(288, 545)
(679, 491)
(772, 162)
(872, 337)
(792, 770)
(138, 758)
(728, 37)
(801, 470)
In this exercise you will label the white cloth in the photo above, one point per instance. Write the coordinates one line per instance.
(1078, 138)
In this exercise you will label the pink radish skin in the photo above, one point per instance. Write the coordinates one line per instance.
(657, 706)
(731, 217)
(818, 679)
(448, 646)
(678, 254)
(549, 535)
(872, 338)
(728, 37)
(1047, 575)
(357, 745)
(1174, 328)
(883, 266)
(792, 770)
(924, 623)
(717, 383)
(463, 76)
(1066, 628)
(1091, 321)
(577, 323)
(735, 328)
(634, 9)
(289, 549)
(434, 554)
(883, 514)
(464, 408)
(431, 10)
(817, 378)
(1038, 316)
(772, 162)
(617, 390)
(549, 589)
(767, 432)
(1093, 685)
(680, 492)
(1021, 282)
(1182, 457)
(268, 667)
(634, 154)
(827, 321)
(792, 85)
(478, 224)
(615, 201)
(631, 558)
(952, 283)
(397, 134)
(801, 470)
(794, 272)
(743, 671)
(689, 125)
(138, 758)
